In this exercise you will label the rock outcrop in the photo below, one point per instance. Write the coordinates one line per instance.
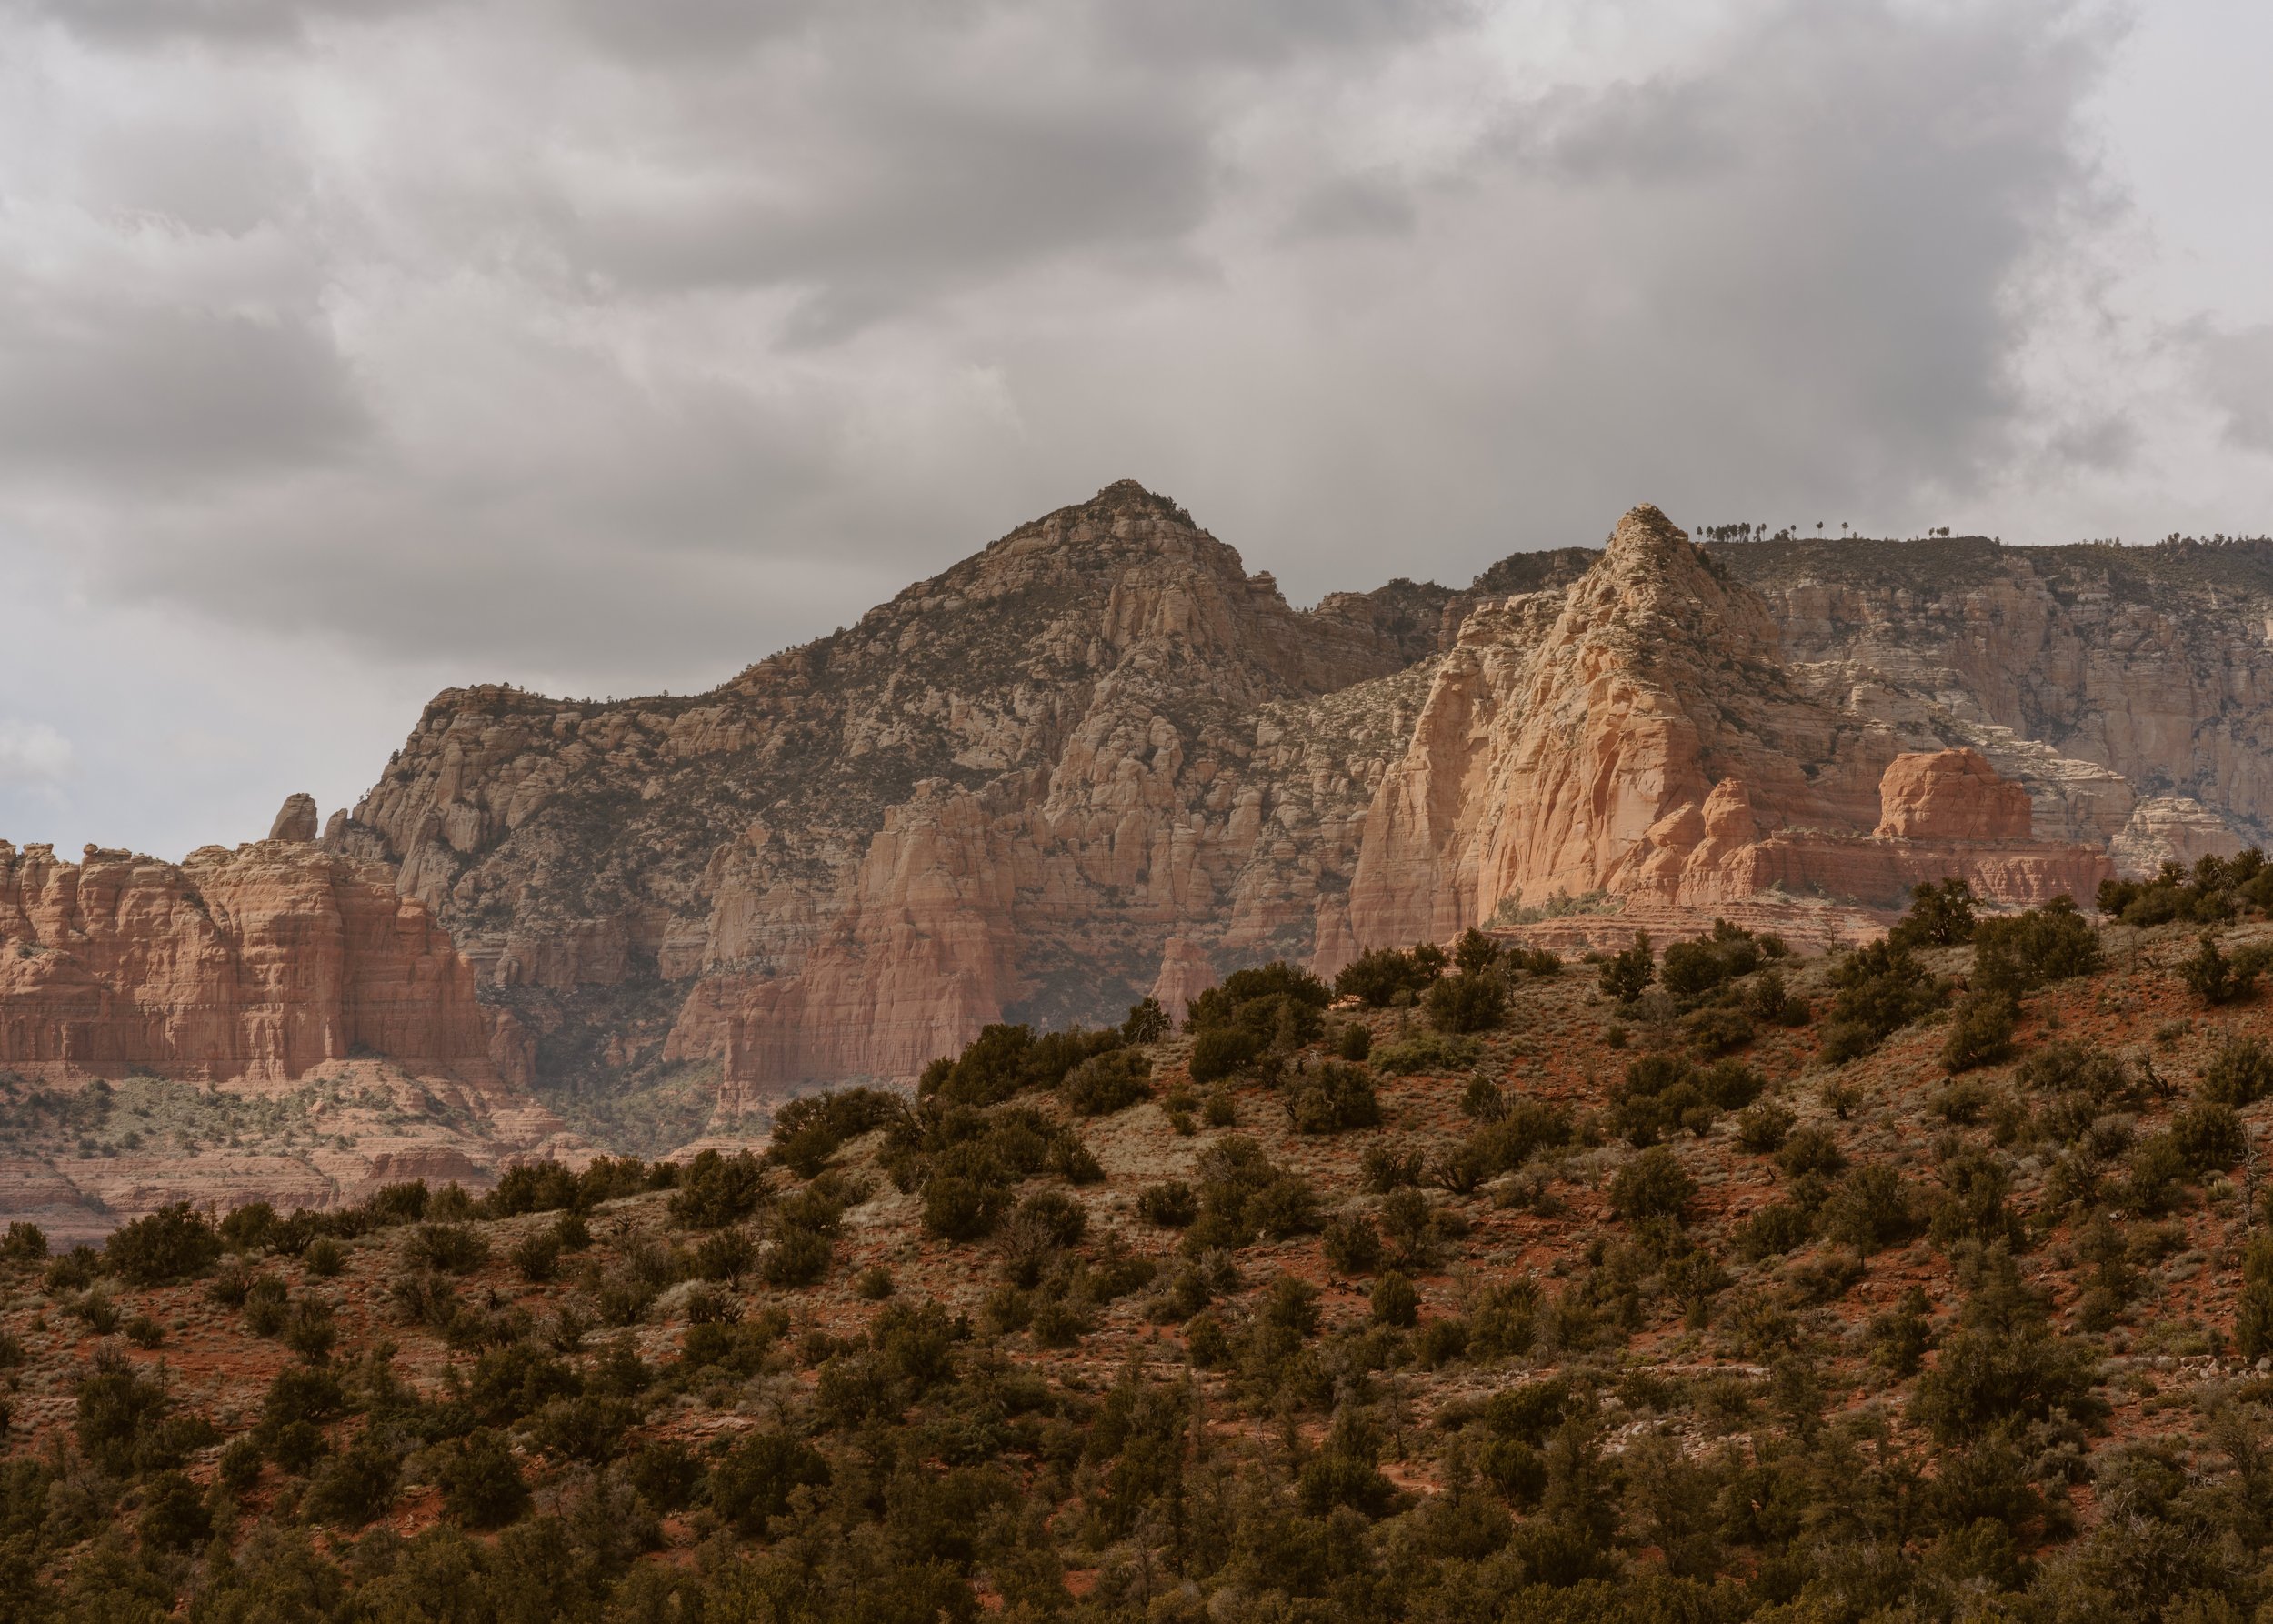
(295, 820)
(251, 967)
(1099, 760)
(1639, 736)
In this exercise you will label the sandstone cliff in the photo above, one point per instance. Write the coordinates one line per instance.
(1098, 759)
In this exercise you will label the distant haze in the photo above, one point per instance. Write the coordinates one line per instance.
(350, 348)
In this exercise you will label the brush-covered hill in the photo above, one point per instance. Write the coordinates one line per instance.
(1715, 1282)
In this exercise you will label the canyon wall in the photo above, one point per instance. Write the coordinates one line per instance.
(1098, 759)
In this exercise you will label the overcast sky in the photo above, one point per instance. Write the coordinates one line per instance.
(353, 348)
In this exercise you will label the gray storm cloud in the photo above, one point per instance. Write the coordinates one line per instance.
(626, 344)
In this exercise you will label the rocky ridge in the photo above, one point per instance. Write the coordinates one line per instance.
(1098, 759)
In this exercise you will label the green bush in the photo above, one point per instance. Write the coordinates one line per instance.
(481, 1483)
(1871, 1210)
(753, 1483)
(27, 1243)
(1223, 1050)
(1425, 1052)
(1376, 979)
(799, 1257)
(1169, 1204)
(716, 1190)
(1333, 1098)
(2022, 952)
(170, 1244)
(1763, 1129)
(1354, 1042)
(1627, 975)
(1654, 1185)
(354, 1488)
(174, 1516)
(445, 1248)
(1981, 1032)
(1107, 1083)
(2240, 1074)
(1940, 916)
(1880, 988)
(2217, 979)
(1468, 1003)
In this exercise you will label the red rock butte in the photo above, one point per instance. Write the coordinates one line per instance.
(1098, 758)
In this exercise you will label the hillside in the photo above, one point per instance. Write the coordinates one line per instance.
(1730, 1285)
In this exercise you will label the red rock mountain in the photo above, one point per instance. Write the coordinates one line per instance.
(1098, 758)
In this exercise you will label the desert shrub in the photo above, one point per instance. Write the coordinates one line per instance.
(1981, 1030)
(538, 1257)
(247, 1229)
(1107, 1083)
(1377, 977)
(2240, 1074)
(75, 1271)
(1871, 1210)
(1811, 1149)
(1729, 1085)
(393, 1204)
(1658, 1094)
(723, 1255)
(1772, 1230)
(267, 1303)
(1170, 1204)
(1654, 1185)
(1354, 1042)
(23, 1243)
(1395, 1301)
(1482, 1102)
(1939, 916)
(810, 1130)
(1384, 1167)
(170, 1244)
(1147, 1022)
(1242, 1192)
(354, 1488)
(1768, 1001)
(751, 1485)
(2092, 1075)
(1763, 1129)
(1223, 1050)
(119, 1413)
(716, 1190)
(1426, 1051)
(1693, 971)
(2253, 1313)
(2003, 1363)
(1353, 1245)
(1332, 1099)
(797, 1256)
(2216, 978)
(446, 1249)
(531, 1187)
(310, 1329)
(1625, 976)
(326, 1257)
(1970, 1207)
(1278, 1002)
(1880, 988)
(2022, 952)
(2208, 1137)
(1719, 1030)
(174, 1516)
(481, 1483)
(957, 1209)
(1468, 1003)
(142, 1331)
(423, 1297)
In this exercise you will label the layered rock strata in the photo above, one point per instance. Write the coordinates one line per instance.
(1099, 760)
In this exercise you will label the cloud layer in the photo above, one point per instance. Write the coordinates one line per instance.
(606, 347)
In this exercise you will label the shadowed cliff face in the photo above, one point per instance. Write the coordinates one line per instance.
(1001, 793)
(1098, 759)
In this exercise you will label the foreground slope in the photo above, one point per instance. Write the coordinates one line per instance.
(1613, 1309)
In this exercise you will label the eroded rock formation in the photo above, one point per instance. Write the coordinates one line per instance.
(254, 966)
